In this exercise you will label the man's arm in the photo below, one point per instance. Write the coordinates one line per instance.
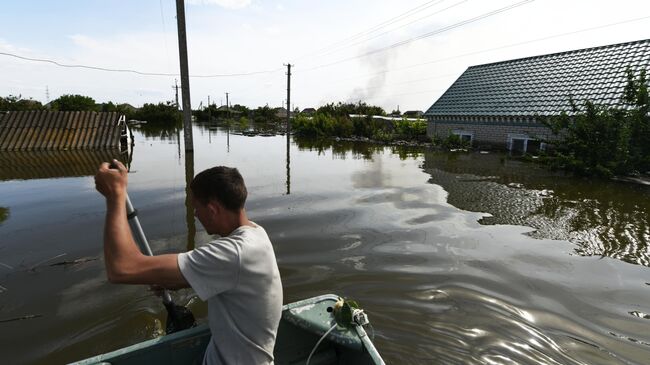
(124, 261)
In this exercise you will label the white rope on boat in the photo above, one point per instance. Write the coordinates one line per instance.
(318, 343)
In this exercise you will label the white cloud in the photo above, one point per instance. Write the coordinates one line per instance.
(228, 4)
(10, 48)
(84, 41)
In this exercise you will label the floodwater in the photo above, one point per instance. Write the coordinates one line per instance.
(457, 258)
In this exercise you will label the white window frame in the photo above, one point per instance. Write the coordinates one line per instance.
(460, 133)
(525, 138)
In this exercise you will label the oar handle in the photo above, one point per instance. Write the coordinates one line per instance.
(141, 239)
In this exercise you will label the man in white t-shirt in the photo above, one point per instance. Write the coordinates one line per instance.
(237, 274)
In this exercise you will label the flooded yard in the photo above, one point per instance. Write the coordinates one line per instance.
(457, 258)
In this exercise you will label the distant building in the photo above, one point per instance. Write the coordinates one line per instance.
(500, 103)
(308, 111)
(281, 112)
(413, 114)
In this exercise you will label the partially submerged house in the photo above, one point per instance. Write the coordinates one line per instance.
(500, 104)
(50, 144)
(57, 130)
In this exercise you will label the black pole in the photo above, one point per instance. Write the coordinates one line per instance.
(288, 99)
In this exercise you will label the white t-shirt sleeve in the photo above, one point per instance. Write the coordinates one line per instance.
(211, 269)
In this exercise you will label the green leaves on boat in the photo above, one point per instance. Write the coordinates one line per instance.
(343, 312)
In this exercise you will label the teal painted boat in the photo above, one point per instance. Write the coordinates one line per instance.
(308, 331)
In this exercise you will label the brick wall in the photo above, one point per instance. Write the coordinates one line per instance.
(488, 131)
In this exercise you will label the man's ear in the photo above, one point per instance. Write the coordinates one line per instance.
(214, 207)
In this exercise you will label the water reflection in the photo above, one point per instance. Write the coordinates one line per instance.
(27, 165)
(603, 218)
(4, 214)
(159, 131)
(288, 164)
(189, 209)
(342, 149)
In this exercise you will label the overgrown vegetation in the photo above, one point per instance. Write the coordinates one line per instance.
(75, 102)
(261, 119)
(335, 120)
(453, 141)
(605, 140)
(163, 114)
(17, 103)
(64, 103)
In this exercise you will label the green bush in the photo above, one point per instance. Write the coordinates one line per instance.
(321, 125)
(243, 123)
(159, 114)
(602, 140)
(453, 141)
(410, 129)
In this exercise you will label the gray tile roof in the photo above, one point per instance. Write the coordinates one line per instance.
(541, 85)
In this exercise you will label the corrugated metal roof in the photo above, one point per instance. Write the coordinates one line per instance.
(45, 130)
(25, 165)
(542, 85)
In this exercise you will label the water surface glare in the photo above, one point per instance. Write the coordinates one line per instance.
(458, 259)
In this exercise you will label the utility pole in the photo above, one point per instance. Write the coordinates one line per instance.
(209, 112)
(227, 105)
(185, 76)
(288, 100)
(175, 87)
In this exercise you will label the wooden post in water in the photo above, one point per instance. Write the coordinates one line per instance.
(185, 76)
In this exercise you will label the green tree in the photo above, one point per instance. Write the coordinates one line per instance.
(165, 114)
(345, 109)
(75, 102)
(244, 110)
(265, 115)
(17, 103)
(605, 140)
(410, 128)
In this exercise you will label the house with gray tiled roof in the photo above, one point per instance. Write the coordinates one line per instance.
(500, 103)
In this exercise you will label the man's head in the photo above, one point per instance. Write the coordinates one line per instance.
(223, 184)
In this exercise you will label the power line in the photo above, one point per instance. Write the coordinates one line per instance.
(164, 34)
(142, 73)
(518, 44)
(426, 35)
(401, 26)
(375, 28)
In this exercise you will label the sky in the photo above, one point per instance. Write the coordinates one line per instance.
(396, 54)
